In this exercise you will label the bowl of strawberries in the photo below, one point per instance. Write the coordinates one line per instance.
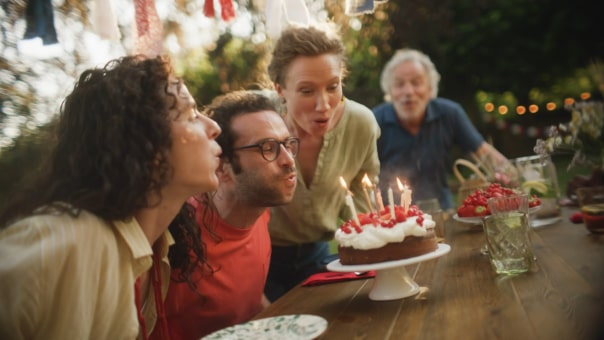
(474, 207)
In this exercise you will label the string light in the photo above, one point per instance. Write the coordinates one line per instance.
(520, 110)
(491, 108)
(551, 106)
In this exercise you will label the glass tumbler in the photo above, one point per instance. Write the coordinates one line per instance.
(538, 177)
(507, 234)
(432, 207)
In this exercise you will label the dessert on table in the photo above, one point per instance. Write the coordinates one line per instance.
(385, 240)
(475, 204)
(374, 238)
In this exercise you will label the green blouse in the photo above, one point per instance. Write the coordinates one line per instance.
(350, 151)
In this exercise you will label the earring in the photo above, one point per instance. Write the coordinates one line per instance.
(283, 108)
(342, 100)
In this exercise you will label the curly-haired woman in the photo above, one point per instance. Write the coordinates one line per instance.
(83, 251)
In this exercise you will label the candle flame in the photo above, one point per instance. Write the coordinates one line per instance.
(343, 182)
(400, 185)
(366, 181)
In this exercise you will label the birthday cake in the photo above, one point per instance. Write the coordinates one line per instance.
(373, 238)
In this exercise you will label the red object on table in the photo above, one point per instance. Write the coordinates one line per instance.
(576, 217)
(331, 277)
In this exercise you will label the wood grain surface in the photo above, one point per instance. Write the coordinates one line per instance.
(562, 297)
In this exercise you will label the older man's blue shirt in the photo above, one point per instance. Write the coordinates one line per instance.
(424, 160)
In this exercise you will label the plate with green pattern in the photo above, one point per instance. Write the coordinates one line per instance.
(290, 327)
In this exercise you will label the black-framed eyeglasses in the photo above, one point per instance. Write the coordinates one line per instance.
(270, 148)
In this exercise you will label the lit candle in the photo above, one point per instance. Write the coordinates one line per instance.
(408, 193)
(401, 188)
(391, 203)
(349, 202)
(405, 195)
(378, 197)
(404, 201)
(367, 183)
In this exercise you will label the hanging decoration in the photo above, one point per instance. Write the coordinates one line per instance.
(227, 10)
(359, 7)
(280, 13)
(40, 21)
(148, 29)
(104, 21)
(40, 37)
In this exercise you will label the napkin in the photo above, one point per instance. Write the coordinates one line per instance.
(331, 277)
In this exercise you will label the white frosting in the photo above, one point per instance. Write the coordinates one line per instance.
(378, 236)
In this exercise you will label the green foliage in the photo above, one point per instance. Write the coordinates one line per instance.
(501, 45)
(201, 77)
(573, 87)
(366, 39)
(16, 94)
(21, 160)
(233, 64)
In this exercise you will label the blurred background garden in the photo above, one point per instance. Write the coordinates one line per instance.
(513, 64)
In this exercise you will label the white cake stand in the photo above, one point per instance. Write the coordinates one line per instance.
(392, 281)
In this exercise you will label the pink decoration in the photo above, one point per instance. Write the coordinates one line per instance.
(149, 31)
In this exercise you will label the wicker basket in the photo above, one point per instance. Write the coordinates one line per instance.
(477, 180)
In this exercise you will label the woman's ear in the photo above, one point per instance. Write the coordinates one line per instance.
(279, 90)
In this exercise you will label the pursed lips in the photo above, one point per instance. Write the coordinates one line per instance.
(322, 116)
(321, 122)
(291, 178)
(217, 149)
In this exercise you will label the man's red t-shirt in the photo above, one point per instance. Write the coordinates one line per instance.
(230, 295)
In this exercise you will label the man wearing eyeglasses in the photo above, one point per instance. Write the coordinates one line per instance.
(257, 171)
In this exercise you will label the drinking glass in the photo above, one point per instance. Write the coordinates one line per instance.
(432, 207)
(507, 234)
(538, 177)
(591, 201)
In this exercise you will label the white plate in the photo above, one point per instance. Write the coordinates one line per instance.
(469, 220)
(295, 327)
(536, 223)
(478, 220)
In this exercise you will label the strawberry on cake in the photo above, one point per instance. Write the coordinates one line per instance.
(381, 238)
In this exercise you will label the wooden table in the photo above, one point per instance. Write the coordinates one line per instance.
(561, 298)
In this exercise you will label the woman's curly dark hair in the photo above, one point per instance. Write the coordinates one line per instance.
(182, 228)
(111, 145)
(111, 129)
